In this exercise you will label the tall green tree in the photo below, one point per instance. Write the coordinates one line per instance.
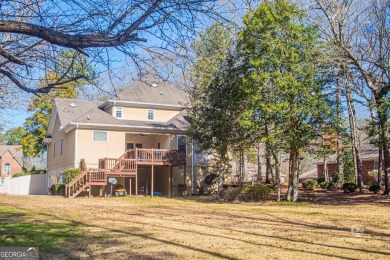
(41, 106)
(285, 79)
(216, 96)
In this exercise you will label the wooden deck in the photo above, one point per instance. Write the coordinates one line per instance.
(126, 166)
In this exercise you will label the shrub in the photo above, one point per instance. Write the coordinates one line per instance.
(309, 184)
(349, 187)
(70, 174)
(320, 180)
(19, 174)
(258, 193)
(330, 186)
(58, 189)
(230, 194)
(375, 188)
(211, 178)
(327, 185)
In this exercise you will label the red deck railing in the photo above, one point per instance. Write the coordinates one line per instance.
(157, 155)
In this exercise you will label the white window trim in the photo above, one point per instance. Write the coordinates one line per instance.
(61, 145)
(54, 149)
(177, 142)
(100, 141)
(118, 109)
(147, 114)
(8, 165)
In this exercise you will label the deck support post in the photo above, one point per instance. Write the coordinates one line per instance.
(170, 181)
(185, 177)
(130, 186)
(89, 191)
(136, 180)
(152, 183)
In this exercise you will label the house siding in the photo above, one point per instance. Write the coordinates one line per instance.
(141, 114)
(9, 158)
(67, 158)
(93, 151)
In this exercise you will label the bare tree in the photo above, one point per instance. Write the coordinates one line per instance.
(33, 32)
(358, 32)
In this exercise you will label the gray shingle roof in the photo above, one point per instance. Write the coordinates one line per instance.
(88, 112)
(154, 92)
(15, 150)
(67, 114)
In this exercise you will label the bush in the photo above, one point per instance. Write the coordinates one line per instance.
(349, 187)
(327, 185)
(19, 174)
(211, 178)
(58, 189)
(258, 193)
(320, 180)
(375, 188)
(247, 193)
(309, 184)
(70, 174)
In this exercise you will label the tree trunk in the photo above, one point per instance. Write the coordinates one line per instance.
(340, 163)
(268, 167)
(292, 194)
(380, 166)
(384, 134)
(259, 177)
(221, 164)
(277, 175)
(355, 141)
(290, 179)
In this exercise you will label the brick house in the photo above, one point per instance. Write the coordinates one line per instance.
(369, 156)
(11, 160)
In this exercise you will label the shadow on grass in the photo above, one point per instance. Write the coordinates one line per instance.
(63, 238)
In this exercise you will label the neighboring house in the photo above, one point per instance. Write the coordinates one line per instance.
(369, 157)
(309, 175)
(139, 138)
(11, 160)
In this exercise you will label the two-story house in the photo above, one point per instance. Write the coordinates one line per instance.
(138, 138)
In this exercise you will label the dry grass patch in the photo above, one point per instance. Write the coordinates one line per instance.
(161, 228)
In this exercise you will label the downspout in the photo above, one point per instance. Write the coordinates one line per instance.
(75, 147)
(47, 169)
(192, 168)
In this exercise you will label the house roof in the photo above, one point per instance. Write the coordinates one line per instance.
(311, 174)
(369, 151)
(67, 114)
(15, 150)
(154, 92)
(89, 113)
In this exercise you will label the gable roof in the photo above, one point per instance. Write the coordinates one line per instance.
(154, 92)
(67, 114)
(15, 150)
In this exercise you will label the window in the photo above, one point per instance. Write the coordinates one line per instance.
(1, 181)
(150, 114)
(182, 143)
(7, 169)
(99, 136)
(61, 143)
(54, 149)
(118, 112)
(376, 164)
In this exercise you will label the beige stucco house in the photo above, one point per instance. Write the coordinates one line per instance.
(139, 138)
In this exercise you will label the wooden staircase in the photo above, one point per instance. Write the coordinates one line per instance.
(85, 180)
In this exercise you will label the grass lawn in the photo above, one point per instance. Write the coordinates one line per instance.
(161, 228)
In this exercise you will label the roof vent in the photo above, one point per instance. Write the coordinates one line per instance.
(154, 84)
(161, 93)
(73, 105)
(88, 117)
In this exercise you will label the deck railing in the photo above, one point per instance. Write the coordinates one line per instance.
(112, 164)
(157, 155)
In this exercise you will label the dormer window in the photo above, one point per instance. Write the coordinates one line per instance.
(150, 114)
(118, 112)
